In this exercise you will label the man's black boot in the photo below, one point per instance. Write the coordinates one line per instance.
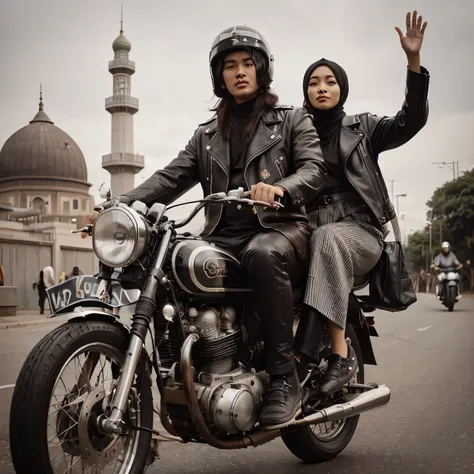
(282, 401)
(339, 372)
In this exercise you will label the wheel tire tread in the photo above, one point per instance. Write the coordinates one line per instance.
(34, 377)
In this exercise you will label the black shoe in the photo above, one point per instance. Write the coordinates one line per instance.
(282, 401)
(339, 372)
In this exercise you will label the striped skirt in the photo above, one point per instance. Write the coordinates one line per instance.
(343, 245)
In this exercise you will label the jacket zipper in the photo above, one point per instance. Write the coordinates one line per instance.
(227, 184)
(375, 182)
(347, 175)
(264, 149)
(279, 166)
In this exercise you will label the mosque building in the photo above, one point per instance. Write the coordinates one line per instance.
(45, 193)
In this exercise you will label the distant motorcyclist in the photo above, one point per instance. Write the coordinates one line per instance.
(445, 259)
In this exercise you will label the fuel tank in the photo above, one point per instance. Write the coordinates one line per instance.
(203, 270)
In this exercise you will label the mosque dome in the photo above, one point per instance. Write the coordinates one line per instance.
(42, 150)
(121, 43)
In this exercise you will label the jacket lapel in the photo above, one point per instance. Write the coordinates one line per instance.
(350, 136)
(265, 137)
(218, 148)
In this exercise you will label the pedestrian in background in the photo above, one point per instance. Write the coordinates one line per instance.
(49, 279)
(41, 287)
(422, 281)
(75, 272)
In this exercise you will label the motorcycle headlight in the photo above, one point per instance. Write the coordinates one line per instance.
(452, 276)
(441, 276)
(119, 236)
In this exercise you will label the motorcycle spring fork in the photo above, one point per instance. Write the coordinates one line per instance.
(114, 423)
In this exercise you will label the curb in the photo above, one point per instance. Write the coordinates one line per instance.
(37, 322)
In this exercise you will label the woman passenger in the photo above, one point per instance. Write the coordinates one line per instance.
(349, 216)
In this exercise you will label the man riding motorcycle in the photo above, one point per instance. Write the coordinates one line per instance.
(445, 259)
(272, 151)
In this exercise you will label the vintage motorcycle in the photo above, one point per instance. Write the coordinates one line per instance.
(447, 288)
(83, 400)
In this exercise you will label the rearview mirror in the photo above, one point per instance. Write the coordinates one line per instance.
(104, 191)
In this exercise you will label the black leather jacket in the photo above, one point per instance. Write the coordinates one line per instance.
(284, 151)
(364, 136)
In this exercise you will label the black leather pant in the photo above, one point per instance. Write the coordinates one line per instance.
(273, 266)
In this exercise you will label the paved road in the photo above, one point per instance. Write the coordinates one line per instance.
(425, 356)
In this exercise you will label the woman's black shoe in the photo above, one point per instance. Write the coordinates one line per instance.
(339, 372)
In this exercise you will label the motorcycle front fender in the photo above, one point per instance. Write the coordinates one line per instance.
(96, 314)
(90, 315)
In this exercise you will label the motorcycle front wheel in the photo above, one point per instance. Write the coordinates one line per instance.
(452, 293)
(65, 384)
(324, 441)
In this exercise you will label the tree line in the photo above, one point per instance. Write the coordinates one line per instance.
(451, 218)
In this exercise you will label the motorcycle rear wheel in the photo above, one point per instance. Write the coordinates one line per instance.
(32, 422)
(311, 447)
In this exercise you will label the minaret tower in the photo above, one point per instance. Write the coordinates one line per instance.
(122, 163)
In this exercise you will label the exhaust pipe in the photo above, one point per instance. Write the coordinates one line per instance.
(366, 401)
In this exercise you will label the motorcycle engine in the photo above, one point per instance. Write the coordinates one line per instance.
(229, 394)
(232, 402)
(220, 337)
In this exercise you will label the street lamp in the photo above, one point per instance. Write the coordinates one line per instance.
(404, 235)
(398, 196)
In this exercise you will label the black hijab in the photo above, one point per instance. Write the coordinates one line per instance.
(327, 122)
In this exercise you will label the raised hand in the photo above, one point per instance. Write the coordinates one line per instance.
(412, 41)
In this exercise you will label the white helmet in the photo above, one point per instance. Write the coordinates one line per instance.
(445, 245)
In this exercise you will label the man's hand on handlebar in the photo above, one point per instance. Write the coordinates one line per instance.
(89, 220)
(266, 192)
(102, 206)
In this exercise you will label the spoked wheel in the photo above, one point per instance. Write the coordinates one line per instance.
(64, 387)
(324, 441)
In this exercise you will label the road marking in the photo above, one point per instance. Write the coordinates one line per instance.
(14, 352)
(3, 387)
(424, 329)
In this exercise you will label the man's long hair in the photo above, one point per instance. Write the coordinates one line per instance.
(266, 100)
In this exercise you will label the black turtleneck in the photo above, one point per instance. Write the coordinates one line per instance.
(239, 118)
(328, 125)
(243, 218)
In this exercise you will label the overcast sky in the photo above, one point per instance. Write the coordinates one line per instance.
(67, 45)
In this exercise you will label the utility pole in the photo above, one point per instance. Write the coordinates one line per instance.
(431, 235)
(450, 164)
(397, 196)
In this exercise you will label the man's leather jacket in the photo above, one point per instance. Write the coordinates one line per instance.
(284, 151)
